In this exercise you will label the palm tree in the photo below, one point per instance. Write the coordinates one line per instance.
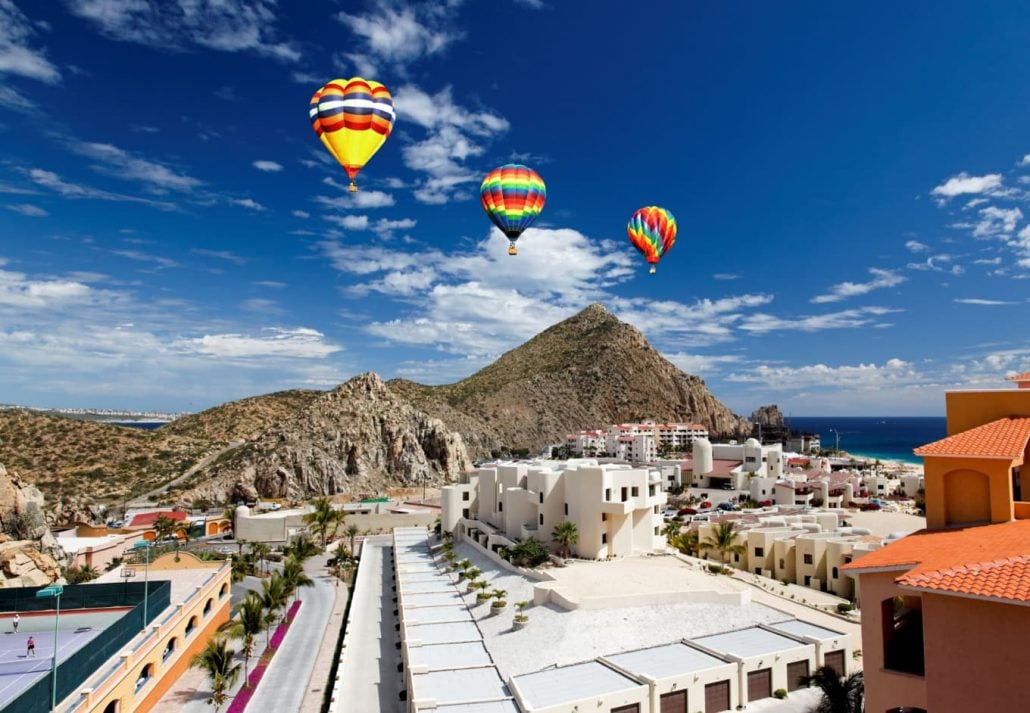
(246, 625)
(325, 520)
(686, 542)
(163, 527)
(352, 532)
(565, 535)
(723, 539)
(274, 596)
(671, 529)
(295, 576)
(216, 661)
(302, 548)
(840, 695)
(261, 550)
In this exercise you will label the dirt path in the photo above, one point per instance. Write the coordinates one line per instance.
(144, 499)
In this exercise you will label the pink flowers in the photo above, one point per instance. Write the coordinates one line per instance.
(243, 696)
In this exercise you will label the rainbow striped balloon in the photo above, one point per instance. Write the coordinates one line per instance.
(513, 196)
(352, 117)
(652, 230)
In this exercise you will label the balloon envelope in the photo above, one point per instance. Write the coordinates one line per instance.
(352, 117)
(513, 196)
(652, 230)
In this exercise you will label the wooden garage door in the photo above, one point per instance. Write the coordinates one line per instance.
(759, 684)
(717, 697)
(674, 702)
(795, 672)
(835, 660)
(631, 708)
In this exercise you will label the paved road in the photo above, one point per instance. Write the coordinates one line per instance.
(143, 500)
(287, 678)
(370, 680)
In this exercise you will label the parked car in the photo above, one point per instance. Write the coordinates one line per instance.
(728, 485)
(669, 514)
(727, 506)
(705, 505)
(688, 511)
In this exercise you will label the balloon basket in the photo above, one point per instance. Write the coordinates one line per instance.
(512, 250)
(653, 269)
(353, 188)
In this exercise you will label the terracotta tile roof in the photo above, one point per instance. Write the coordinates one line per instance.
(1004, 438)
(1025, 376)
(986, 560)
(148, 518)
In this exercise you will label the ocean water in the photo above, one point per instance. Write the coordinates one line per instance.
(145, 425)
(886, 437)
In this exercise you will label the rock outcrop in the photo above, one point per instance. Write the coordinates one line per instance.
(769, 416)
(358, 438)
(22, 563)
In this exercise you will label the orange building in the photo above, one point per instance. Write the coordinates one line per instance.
(946, 611)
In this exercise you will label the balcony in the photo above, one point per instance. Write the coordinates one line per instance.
(618, 508)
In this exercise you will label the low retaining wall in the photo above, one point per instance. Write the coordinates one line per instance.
(544, 593)
(504, 564)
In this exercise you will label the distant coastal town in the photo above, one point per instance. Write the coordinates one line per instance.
(103, 415)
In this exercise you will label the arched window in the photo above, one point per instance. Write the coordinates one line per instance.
(170, 648)
(144, 676)
(191, 625)
(207, 606)
(224, 590)
(114, 706)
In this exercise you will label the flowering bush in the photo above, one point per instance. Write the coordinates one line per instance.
(243, 696)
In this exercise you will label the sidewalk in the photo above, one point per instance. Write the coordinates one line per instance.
(319, 681)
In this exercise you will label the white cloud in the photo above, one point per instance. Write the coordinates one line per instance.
(121, 164)
(360, 199)
(996, 221)
(841, 291)
(915, 246)
(139, 256)
(963, 183)
(726, 276)
(703, 365)
(1021, 244)
(51, 180)
(248, 203)
(268, 166)
(982, 302)
(33, 211)
(262, 305)
(1025, 160)
(297, 343)
(220, 255)
(399, 36)
(272, 284)
(845, 319)
(301, 214)
(349, 222)
(454, 134)
(889, 375)
(20, 291)
(16, 56)
(224, 25)
(14, 100)
(938, 263)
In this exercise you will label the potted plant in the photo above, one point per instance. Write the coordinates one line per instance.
(498, 603)
(480, 586)
(521, 619)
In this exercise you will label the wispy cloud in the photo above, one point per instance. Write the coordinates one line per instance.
(139, 256)
(268, 166)
(394, 37)
(963, 184)
(49, 179)
(841, 291)
(845, 319)
(350, 201)
(33, 211)
(914, 246)
(220, 255)
(938, 263)
(271, 343)
(997, 221)
(982, 302)
(126, 166)
(248, 203)
(17, 56)
(225, 25)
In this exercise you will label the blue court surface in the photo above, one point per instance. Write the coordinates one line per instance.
(18, 670)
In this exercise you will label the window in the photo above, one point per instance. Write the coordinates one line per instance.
(656, 531)
(566, 508)
(169, 648)
(736, 558)
(604, 538)
(465, 496)
(224, 590)
(808, 559)
(758, 570)
(625, 497)
(604, 517)
(808, 580)
(465, 513)
(834, 575)
(759, 552)
(750, 459)
(541, 518)
(191, 625)
(608, 494)
(902, 621)
(207, 606)
(144, 676)
(634, 491)
(500, 506)
(541, 498)
(782, 563)
(655, 509)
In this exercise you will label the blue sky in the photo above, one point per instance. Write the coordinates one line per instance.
(852, 186)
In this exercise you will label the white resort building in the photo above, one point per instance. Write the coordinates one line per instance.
(636, 442)
(616, 508)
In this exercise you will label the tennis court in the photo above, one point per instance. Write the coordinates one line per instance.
(18, 671)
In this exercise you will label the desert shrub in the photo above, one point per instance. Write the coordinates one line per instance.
(844, 607)
(780, 693)
(528, 553)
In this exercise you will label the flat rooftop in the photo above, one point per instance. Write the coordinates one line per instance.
(438, 614)
(570, 683)
(452, 633)
(803, 628)
(666, 661)
(449, 656)
(468, 685)
(505, 706)
(745, 643)
(184, 581)
(431, 599)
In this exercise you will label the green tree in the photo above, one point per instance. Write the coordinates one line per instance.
(840, 695)
(295, 576)
(686, 542)
(260, 552)
(216, 660)
(723, 540)
(80, 575)
(164, 526)
(274, 597)
(565, 535)
(528, 553)
(324, 520)
(246, 625)
(352, 532)
(671, 529)
(302, 548)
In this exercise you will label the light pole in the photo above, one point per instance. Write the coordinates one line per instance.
(144, 545)
(53, 591)
(836, 448)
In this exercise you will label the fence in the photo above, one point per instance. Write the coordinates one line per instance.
(90, 658)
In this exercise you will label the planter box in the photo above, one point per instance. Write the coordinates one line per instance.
(243, 696)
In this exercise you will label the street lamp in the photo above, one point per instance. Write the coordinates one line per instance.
(836, 448)
(144, 545)
(53, 591)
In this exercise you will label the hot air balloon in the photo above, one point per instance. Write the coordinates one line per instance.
(352, 117)
(652, 230)
(513, 196)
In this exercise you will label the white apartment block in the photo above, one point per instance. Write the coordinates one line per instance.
(587, 443)
(636, 442)
(715, 464)
(616, 508)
